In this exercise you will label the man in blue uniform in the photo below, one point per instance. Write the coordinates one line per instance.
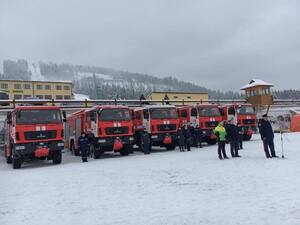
(84, 146)
(146, 142)
(267, 136)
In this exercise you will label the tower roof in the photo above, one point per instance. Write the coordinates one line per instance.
(256, 83)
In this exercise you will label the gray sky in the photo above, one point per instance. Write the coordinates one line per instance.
(218, 44)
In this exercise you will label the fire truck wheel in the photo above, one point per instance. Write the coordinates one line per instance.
(17, 163)
(247, 137)
(170, 146)
(94, 153)
(125, 150)
(211, 141)
(8, 159)
(56, 157)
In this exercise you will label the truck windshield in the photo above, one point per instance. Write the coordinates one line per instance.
(246, 110)
(40, 116)
(114, 115)
(209, 111)
(164, 113)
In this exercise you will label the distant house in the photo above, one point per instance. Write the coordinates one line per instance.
(177, 95)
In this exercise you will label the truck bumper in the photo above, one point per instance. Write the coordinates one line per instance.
(157, 139)
(34, 149)
(108, 142)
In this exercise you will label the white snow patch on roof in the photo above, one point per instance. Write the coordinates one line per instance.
(256, 82)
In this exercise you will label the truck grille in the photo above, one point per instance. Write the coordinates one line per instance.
(166, 127)
(116, 130)
(211, 124)
(37, 135)
(249, 121)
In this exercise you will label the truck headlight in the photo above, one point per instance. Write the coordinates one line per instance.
(154, 136)
(60, 144)
(131, 139)
(101, 141)
(20, 147)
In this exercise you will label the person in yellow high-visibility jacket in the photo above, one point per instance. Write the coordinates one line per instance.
(220, 131)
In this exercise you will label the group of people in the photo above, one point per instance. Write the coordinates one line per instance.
(188, 136)
(229, 132)
(226, 132)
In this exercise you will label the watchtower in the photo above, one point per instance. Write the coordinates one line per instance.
(258, 93)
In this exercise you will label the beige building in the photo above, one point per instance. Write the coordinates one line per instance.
(18, 89)
(180, 96)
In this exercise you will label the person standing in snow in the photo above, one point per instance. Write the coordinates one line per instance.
(146, 142)
(187, 137)
(233, 138)
(267, 136)
(221, 134)
(181, 139)
(84, 146)
(241, 134)
(198, 133)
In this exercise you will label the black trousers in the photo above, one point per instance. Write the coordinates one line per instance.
(234, 148)
(240, 141)
(187, 144)
(269, 144)
(221, 149)
(84, 154)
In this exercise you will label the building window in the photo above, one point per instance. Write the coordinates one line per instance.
(39, 87)
(48, 96)
(175, 97)
(17, 86)
(4, 86)
(67, 97)
(26, 96)
(189, 97)
(66, 88)
(17, 96)
(39, 96)
(26, 86)
(58, 87)
(47, 87)
(59, 97)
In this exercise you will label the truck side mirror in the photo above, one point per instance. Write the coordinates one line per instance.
(64, 116)
(9, 121)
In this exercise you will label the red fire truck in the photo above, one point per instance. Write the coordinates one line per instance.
(33, 132)
(109, 128)
(244, 114)
(160, 121)
(206, 116)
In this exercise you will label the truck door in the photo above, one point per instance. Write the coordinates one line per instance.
(194, 117)
(146, 120)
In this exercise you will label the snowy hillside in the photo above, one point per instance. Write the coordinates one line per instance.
(164, 188)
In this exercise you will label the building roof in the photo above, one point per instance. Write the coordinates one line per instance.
(178, 92)
(256, 83)
(36, 81)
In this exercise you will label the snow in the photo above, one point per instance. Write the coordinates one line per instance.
(81, 97)
(163, 188)
(81, 75)
(35, 72)
(256, 82)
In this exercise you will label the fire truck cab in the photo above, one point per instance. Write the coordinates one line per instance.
(244, 114)
(33, 132)
(109, 128)
(160, 121)
(206, 116)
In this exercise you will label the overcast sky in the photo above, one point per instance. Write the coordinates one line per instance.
(219, 44)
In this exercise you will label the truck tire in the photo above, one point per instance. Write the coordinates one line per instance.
(16, 163)
(247, 137)
(95, 153)
(211, 141)
(56, 158)
(170, 146)
(8, 159)
(125, 150)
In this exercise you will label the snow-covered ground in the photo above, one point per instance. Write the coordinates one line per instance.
(162, 188)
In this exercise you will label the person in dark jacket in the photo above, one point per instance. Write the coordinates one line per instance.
(241, 134)
(84, 146)
(267, 136)
(232, 137)
(181, 139)
(198, 133)
(187, 137)
(146, 142)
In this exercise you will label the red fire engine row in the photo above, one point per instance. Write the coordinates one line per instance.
(38, 131)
